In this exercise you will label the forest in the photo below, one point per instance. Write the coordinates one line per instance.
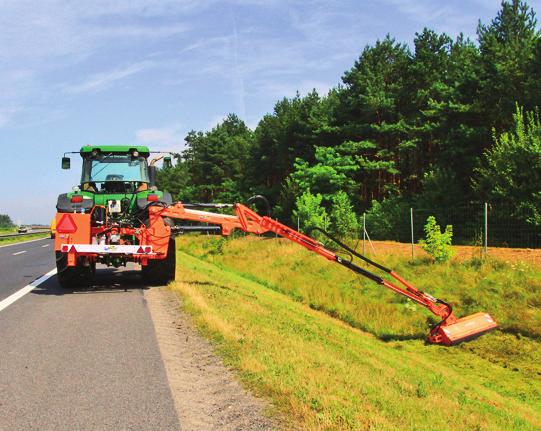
(437, 123)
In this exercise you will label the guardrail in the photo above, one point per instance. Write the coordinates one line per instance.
(15, 235)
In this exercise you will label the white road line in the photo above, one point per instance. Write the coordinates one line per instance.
(23, 242)
(46, 245)
(20, 293)
(19, 252)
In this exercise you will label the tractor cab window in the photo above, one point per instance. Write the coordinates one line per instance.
(114, 173)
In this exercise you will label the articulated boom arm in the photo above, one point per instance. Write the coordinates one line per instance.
(251, 222)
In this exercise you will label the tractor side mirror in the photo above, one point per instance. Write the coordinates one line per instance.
(66, 163)
(167, 162)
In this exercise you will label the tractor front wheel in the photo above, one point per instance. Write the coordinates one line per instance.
(70, 277)
(160, 272)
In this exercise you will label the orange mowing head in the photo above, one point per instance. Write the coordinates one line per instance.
(458, 330)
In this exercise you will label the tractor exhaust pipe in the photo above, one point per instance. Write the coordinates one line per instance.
(152, 176)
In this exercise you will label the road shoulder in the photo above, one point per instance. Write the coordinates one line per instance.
(206, 393)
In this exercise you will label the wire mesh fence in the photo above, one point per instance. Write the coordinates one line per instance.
(482, 225)
(509, 227)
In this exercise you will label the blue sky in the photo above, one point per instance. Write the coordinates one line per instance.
(140, 71)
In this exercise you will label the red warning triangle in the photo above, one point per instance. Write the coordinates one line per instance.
(66, 224)
(140, 250)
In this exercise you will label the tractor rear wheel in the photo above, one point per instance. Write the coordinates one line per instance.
(70, 277)
(160, 272)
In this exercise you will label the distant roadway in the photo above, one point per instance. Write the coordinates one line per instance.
(77, 360)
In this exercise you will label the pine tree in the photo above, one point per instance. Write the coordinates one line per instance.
(507, 47)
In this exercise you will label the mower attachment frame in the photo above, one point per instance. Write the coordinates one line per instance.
(450, 330)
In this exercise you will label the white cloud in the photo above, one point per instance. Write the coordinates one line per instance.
(102, 80)
(164, 138)
(44, 40)
(443, 17)
(140, 31)
(422, 11)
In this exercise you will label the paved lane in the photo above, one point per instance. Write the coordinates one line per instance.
(78, 360)
(22, 263)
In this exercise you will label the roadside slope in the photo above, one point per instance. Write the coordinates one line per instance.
(324, 374)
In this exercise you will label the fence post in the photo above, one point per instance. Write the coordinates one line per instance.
(412, 239)
(364, 231)
(298, 224)
(486, 229)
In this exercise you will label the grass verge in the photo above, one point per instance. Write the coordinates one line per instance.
(23, 238)
(323, 373)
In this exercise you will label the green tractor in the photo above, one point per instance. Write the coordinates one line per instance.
(104, 215)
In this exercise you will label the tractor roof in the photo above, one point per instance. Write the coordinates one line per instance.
(144, 151)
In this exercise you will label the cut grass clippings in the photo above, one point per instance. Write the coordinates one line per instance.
(323, 373)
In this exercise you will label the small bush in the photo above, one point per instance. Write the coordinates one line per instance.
(384, 219)
(310, 212)
(343, 218)
(436, 243)
(216, 247)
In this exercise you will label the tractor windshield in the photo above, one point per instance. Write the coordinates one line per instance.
(109, 168)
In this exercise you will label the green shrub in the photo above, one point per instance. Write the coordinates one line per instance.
(436, 243)
(384, 219)
(310, 212)
(343, 219)
(216, 246)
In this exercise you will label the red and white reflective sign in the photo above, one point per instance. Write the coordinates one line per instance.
(107, 249)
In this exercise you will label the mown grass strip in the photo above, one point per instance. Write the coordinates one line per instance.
(323, 374)
(510, 292)
(23, 238)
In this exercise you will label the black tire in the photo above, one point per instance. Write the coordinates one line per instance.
(70, 277)
(161, 272)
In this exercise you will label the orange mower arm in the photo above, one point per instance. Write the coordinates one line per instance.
(449, 331)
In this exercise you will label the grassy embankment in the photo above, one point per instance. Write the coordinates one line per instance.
(333, 351)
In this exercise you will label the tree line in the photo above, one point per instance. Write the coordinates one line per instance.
(5, 222)
(445, 122)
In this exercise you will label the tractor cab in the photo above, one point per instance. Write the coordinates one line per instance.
(110, 172)
(119, 177)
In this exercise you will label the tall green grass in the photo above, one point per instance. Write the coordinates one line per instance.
(259, 300)
(511, 293)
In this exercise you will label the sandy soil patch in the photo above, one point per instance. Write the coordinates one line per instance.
(462, 252)
(206, 394)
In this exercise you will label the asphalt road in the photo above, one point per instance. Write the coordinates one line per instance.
(78, 360)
